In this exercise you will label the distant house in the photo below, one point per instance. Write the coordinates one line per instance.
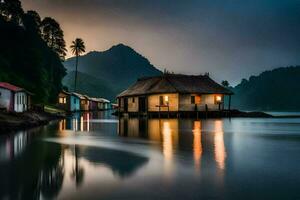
(14, 98)
(103, 104)
(173, 93)
(69, 101)
(93, 104)
(85, 103)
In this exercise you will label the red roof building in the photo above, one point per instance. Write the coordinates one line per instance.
(14, 98)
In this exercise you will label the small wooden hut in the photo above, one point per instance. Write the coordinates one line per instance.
(173, 93)
(14, 98)
(69, 101)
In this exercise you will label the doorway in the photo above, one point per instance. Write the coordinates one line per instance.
(142, 104)
(125, 104)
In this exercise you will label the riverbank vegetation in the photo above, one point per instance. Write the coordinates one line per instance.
(32, 51)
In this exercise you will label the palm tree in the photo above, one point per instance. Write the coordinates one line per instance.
(77, 48)
(225, 83)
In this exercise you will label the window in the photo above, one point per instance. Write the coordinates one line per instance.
(133, 99)
(192, 99)
(167, 99)
(75, 101)
(62, 100)
(218, 99)
(163, 100)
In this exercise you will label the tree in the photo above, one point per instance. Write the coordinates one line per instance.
(54, 36)
(11, 10)
(225, 83)
(77, 48)
(32, 22)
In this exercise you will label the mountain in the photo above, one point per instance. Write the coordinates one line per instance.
(113, 70)
(277, 90)
(89, 85)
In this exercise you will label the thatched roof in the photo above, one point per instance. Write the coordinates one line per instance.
(175, 83)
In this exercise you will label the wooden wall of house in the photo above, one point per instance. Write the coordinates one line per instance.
(176, 102)
(6, 100)
(20, 102)
(133, 104)
(210, 100)
(84, 104)
(154, 102)
(185, 102)
(61, 104)
(74, 103)
(121, 104)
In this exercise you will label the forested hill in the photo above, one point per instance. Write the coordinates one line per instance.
(109, 72)
(277, 90)
(27, 59)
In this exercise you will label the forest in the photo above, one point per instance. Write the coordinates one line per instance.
(274, 90)
(32, 51)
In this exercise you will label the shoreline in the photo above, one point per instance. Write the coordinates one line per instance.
(204, 115)
(10, 122)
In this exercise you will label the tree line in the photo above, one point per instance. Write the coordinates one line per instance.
(32, 51)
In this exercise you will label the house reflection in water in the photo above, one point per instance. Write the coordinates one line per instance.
(78, 122)
(203, 138)
(197, 145)
(14, 145)
(220, 153)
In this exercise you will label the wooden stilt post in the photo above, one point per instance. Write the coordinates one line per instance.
(159, 112)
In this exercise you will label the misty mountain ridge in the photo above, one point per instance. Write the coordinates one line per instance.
(274, 90)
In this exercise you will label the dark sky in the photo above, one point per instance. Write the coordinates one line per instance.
(231, 39)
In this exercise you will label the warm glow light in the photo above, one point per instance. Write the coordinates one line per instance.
(168, 148)
(88, 122)
(167, 141)
(81, 123)
(218, 98)
(197, 144)
(166, 99)
(62, 100)
(220, 152)
(62, 125)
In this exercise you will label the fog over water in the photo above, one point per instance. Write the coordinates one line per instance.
(94, 155)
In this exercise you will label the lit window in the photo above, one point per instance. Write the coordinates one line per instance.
(167, 99)
(62, 100)
(163, 100)
(218, 99)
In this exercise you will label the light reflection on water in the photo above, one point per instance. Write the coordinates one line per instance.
(93, 155)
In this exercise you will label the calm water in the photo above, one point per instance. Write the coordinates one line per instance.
(95, 156)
